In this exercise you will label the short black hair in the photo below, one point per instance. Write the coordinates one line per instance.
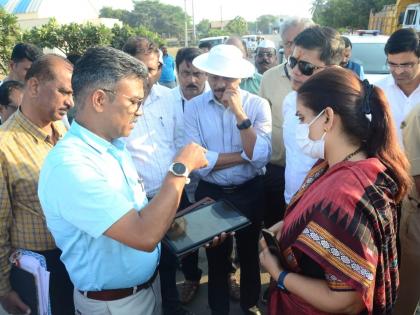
(324, 39)
(25, 51)
(43, 67)
(347, 42)
(403, 40)
(186, 54)
(6, 89)
(207, 45)
(140, 45)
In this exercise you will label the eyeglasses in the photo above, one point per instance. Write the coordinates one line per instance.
(197, 74)
(402, 66)
(306, 68)
(135, 102)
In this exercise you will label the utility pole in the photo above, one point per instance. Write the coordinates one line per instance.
(221, 17)
(193, 21)
(186, 23)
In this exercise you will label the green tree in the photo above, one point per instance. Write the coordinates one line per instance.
(203, 28)
(345, 13)
(237, 26)
(70, 38)
(266, 22)
(122, 33)
(217, 32)
(165, 19)
(9, 35)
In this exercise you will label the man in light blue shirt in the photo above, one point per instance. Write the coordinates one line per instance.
(167, 78)
(235, 127)
(93, 199)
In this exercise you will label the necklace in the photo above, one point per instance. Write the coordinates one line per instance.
(348, 157)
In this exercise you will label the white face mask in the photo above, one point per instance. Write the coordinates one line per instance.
(312, 148)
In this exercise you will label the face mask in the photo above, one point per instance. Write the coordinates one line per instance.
(312, 148)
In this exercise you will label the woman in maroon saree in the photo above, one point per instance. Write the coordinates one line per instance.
(338, 238)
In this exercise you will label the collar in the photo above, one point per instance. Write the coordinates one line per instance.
(34, 130)
(93, 140)
(181, 95)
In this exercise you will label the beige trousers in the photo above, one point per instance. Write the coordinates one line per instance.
(145, 302)
(409, 290)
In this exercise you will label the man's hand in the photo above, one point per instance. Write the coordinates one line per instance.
(232, 97)
(217, 240)
(193, 156)
(12, 304)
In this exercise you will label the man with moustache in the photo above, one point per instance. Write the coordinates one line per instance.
(153, 143)
(402, 89)
(265, 56)
(94, 200)
(25, 140)
(234, 126)
(275, 85)
(192, 82)
(315, 49)
(401, 86)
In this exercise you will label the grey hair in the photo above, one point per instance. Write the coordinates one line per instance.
(294, 22)
(104, 67)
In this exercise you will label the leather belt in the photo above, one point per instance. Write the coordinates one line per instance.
(116, 294)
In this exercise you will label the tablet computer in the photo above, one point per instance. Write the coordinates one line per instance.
(199, 225)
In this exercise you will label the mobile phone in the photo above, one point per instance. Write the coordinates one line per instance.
(271, 240)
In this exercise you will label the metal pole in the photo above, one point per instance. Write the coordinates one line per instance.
(193, 21)
(186, 24)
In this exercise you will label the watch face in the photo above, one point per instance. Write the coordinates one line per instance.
(179, 168)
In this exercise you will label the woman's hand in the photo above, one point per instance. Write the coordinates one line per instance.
(276, 228)
(269, 261)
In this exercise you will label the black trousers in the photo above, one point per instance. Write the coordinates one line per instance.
(248, 199)
(61, 287)
(274, 204)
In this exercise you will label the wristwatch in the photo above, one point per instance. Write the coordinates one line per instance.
(244, 124)
(280, 281)
(179, 169)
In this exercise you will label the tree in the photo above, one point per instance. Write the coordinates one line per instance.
(70, 38)
(266, 22)
(9, 35)
(165, 19)
(237, 26)
(345, 13)
(121, 34)
(203, 28)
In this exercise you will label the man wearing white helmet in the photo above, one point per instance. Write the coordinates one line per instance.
(235, 127)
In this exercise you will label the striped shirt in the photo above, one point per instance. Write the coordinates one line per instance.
(23, 148)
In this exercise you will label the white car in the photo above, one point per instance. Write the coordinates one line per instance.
(368, 51)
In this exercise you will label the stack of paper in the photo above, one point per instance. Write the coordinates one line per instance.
(34, 264)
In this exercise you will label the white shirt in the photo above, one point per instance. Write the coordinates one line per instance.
(210, 124)
(401, 105)
(298, 164)
(180, 102)
(152, 141)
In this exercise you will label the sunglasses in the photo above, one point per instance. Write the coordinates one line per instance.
(306, 68)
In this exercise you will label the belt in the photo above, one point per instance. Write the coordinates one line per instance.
(235, 188)
(116, 294)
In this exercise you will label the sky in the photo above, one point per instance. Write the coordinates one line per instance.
(250, 10)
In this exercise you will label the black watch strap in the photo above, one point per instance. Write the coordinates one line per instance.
(244, 125)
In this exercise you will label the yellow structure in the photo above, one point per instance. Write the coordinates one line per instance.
(388, 19)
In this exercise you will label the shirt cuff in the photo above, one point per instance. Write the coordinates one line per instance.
(211, 157)
(261, 153)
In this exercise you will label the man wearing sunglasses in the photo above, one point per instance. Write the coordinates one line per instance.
(152, 144)
(401, 87)
(316, 48)
(265, 56)
(11, 93)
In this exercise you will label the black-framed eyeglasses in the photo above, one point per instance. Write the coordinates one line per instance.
(306, 68)
(402, 66)
(135, 102)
